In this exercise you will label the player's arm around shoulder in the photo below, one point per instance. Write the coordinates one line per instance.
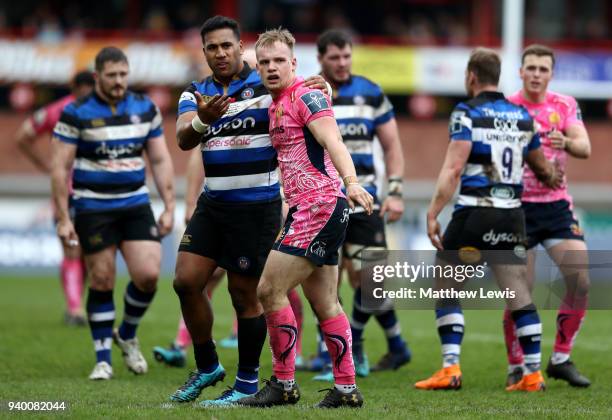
(163, 174)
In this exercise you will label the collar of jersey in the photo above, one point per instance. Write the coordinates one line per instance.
(489, 94)
(288, 91)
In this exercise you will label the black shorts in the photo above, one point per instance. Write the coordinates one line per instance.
(237, 236)
(367, 230)
(554, 220)
(473, 231)
(99, 230)
(315, 234)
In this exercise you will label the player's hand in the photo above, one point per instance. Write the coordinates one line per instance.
(67, 234)
(433, 231)
(210, 111)
(394, 206)
(558, 140)
(355, 193)
(317, 82)
(165, 222)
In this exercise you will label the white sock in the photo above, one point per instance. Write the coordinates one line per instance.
(512, 367)
(345, 389)
(287, 383)
(449, 360)
(558, 358)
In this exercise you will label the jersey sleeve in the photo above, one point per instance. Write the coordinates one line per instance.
(187, 102)
(574, 114)
(156, 124)
(460, 124)
(68, 127)
(384, 111)
(312, 105)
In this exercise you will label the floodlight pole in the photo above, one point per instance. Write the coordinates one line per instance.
(513, 24)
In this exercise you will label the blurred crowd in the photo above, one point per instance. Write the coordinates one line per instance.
(417, 22)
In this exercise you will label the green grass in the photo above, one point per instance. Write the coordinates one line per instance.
(43, 360)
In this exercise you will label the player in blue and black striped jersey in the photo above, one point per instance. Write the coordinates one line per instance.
(101, 139)
(490, 138)
(367, 122)
(238, 214)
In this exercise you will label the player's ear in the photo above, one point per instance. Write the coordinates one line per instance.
(241, 47)
(294, 63)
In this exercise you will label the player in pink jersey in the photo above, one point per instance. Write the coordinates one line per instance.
(42, 122)
(311, 154)
(548, 212)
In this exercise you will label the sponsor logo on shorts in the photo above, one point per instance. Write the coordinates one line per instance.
(95, 239)
(244, 263)
(318, 248)
(505, 193)
(135, 119)
(186, 239)
(345, 216)
(154, 232)
(520, 251)
(493, 238)
(469, 254)
(247, 93)
(576, 230)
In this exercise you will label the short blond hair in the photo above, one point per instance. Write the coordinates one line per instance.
(275, 35)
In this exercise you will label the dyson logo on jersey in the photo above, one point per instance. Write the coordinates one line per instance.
(233, 124)
(493, 238)
(114, 152)
(353, 129)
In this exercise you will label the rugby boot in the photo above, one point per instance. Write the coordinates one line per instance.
(445, 378)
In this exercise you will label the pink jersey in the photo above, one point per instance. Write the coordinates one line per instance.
(44, 120)
(308, 174)
(557, 112)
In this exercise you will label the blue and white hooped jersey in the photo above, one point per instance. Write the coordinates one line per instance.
(239, 160)
(109, 170)
(501, 134)
(360, 107)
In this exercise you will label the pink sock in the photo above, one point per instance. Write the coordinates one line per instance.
(72, 274)
(283, 333)
(513, 347)
(339, 341)
(569, 319)
(296, 305)
(183, 338)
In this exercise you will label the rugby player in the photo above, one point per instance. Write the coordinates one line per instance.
(101, 138)
(42, 122)
(548, 213)
(312, 160)
(238, 214)
(365, 115)
(489, 140)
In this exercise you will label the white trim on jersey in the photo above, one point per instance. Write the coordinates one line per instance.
(82, 193)
(110, 165)
(360, 146)
(116, 132)
(500, 203)
(473, 169)
(242, 181)
(354, 111)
